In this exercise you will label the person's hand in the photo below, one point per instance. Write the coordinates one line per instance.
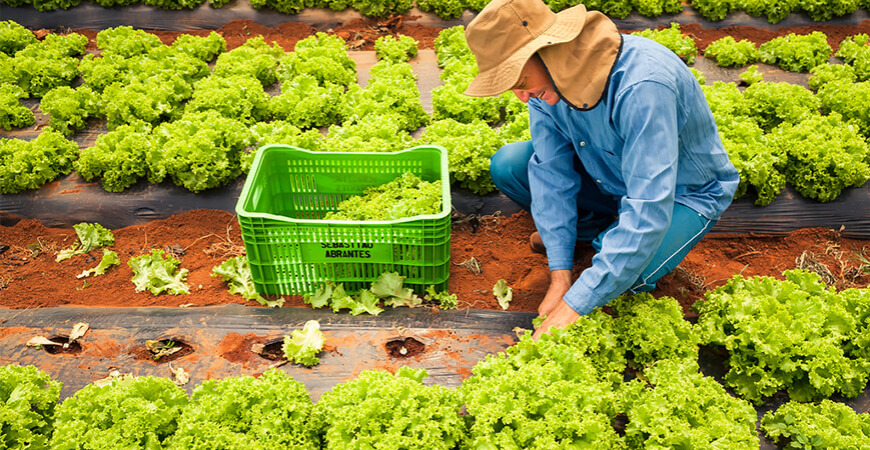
(560, 282)
(561, 316)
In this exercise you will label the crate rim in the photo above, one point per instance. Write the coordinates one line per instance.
(445, 189)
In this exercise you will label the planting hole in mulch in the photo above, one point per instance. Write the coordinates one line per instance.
(163, 350)
(272, 350)
(67, 347)
(404, 348)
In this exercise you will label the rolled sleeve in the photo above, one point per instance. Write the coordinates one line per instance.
(646, 115)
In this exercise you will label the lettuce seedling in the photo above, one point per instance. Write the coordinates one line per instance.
(126, 41)
(302, 346)
(673, 39)
(157, 274)
(653, 329)
(542, 394)
(117, 157)
(471, 145)
(204, 48)
(322, 56)
(796, 334)
(68, 109)
(751, 75)
(394, 49)
(445, 299)
(14, 37)
(797, 53)
(91, 236)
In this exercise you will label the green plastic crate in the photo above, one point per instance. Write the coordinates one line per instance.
(292, 250)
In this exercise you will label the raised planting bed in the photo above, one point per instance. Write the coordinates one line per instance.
(507, 383)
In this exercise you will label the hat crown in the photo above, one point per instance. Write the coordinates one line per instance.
(504, 27)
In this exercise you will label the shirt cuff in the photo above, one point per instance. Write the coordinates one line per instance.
(582, 300)
(560, 258)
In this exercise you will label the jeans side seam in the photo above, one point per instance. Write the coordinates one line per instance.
(699, 233)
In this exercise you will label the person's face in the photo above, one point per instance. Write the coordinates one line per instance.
(534, 82)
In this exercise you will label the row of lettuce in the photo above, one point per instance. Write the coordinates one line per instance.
(172, 117)
(566, 390)
(714, 10)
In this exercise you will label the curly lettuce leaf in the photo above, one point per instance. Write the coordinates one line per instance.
(157, 274)
(91, 236)
(381, 410)
(445, 299)
(405, 196)
(236, 272)
(129, 412)
(269, 411)
(110, 259)
(503, 293)
(390, 287)
(28, 401)
(302, 346)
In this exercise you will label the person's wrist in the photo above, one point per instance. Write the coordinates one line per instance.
(560, 278)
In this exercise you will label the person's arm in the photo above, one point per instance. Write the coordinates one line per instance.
(646, 117)
(554, 186)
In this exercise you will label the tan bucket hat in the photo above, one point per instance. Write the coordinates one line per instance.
(578, 48)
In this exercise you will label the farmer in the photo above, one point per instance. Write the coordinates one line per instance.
(624, 152)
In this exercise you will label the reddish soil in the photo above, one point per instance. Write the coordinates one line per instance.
(361, 34)
(31, 278)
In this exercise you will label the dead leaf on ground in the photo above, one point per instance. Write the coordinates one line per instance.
(36, 341)
(179, 375)
(78, 330)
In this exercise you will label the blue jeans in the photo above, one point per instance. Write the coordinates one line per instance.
(598, 212)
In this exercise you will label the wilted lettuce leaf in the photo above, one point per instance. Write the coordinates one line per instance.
(236, 272)
(157, 274)
(389, 286)
(91, 236)
(110, 258)
(503, 293)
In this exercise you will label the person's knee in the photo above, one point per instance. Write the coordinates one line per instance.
(509, 165)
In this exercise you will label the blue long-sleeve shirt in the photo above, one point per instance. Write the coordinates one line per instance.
(650, 141)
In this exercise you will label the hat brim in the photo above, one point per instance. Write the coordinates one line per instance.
(501, 78)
